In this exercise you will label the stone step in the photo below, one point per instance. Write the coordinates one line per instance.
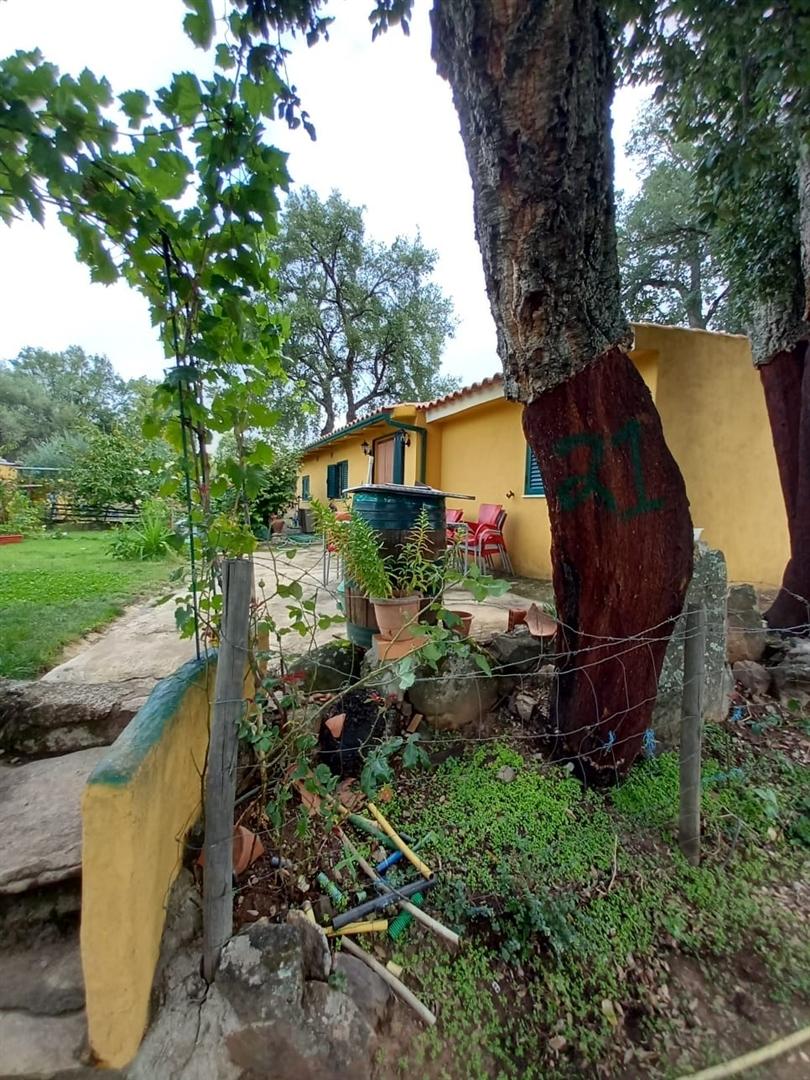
(41, 1046)
(40, 819)
(43, 1031)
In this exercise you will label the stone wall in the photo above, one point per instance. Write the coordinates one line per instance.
(709, 586)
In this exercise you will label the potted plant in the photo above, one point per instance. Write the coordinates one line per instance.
(395, 586)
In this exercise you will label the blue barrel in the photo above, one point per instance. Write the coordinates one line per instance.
(392, 510)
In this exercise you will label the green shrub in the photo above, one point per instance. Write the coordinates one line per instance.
(17, 513)
(149, 537)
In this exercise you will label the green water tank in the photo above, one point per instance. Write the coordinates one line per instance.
(392, 509)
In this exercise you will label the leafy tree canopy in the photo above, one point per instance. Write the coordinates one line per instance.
(367, 323)
(735, 83)
(29, 415)
(669, 271)
(89, 384)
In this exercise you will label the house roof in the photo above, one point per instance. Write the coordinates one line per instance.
(465, 391)
(356, 425)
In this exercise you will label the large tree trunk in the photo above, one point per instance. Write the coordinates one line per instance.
(532, 84)
(779, 342)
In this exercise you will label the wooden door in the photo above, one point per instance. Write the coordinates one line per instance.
(384, 460)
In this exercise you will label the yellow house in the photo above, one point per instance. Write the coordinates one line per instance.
(471, 441)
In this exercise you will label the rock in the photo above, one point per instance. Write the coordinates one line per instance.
(517, 652)
(183, 920)
(507, 774)
(707, 587)
(261, 1018)
(791, 677)
(332, 1042)
(747, 634)
(41, 1046)
(46, 980)
(524, 705)
(29, 916)
(40, 819)
(38, 718)
(461, 694)
(366, 989)
(752, 676)
(329, 667)
(261, 972)
(317, 957)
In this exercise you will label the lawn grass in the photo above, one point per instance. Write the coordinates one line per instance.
(53, 590)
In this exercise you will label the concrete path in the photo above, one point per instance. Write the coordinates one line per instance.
(143, 646)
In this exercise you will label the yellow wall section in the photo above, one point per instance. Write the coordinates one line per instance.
(483, 453)
(137, 808)
(713, 410)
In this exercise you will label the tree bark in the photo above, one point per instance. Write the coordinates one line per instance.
(786, 383)
(532, 83)
(621, 551)
(803, 179)
(779, 342)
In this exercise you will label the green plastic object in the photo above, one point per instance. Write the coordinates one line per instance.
(398, 926)
(331, 890)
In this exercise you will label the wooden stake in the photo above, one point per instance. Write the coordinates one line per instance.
(399, 988)
(220, 780)
(692, 733)
(754, 1057)
(411, 856)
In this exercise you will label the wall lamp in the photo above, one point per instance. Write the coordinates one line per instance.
(365, 447)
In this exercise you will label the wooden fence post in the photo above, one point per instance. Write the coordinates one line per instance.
(694, 657)
(220, 780)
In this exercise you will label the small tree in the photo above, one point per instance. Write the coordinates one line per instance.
(367, 325)
(112, 471)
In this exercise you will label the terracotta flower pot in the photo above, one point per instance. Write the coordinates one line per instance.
(277, 525)
(11, 538)
(247, 848)
(466, 619)
(399, 617)
(388, 651)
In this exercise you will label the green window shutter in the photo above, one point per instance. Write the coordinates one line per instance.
(343, 477)
(534, 479)
(399, 458)
(304, 487)
(332, 481)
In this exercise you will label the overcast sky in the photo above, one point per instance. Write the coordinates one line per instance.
(387, 139)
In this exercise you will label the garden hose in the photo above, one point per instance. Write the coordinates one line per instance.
(398, 926)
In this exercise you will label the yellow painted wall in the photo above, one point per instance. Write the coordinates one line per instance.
(136, 810)
(483, 453)
(713, 410)
(349, 448)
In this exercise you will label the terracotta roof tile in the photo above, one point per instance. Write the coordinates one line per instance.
(463, 391)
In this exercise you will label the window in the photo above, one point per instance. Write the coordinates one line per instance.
(337, 479)
(305, 487)
(534, 480)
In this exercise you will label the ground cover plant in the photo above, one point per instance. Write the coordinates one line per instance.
(590, 946)
(54, 589)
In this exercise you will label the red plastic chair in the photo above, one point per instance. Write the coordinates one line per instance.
(489, 541)
(487, 519)
(452, 517)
